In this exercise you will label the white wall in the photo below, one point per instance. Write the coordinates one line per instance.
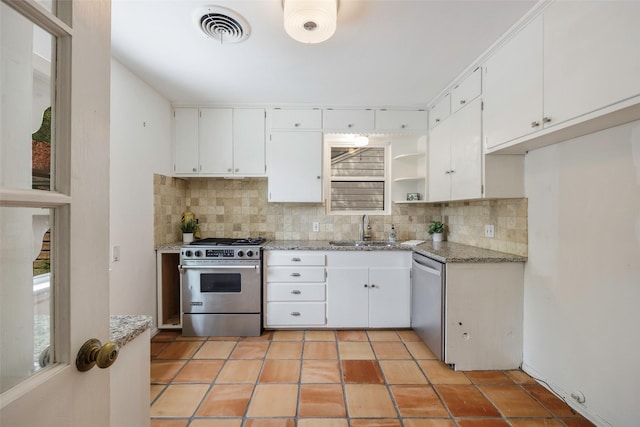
(140, 147)
(582, 281)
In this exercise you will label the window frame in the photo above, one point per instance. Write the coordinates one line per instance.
(346, 140)
(58, 199)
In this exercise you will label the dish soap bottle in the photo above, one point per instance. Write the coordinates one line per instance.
(392, 234)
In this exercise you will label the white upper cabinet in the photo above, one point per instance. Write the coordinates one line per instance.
(440, 111)
(455, 156)
(401, 120)
(249, 157)
(185, 141)
(295, 166)
(216, 141)
(513, 87)
(219, 142)
(296, 119)
(591, 56)
(348, 120)
(467, 90)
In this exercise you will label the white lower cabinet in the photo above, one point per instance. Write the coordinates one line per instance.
(295, 290)
(484, 315)
(368, 289)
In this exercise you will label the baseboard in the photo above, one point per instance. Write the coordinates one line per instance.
(566, 396)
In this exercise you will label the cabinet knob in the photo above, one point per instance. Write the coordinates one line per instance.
(447, 172)
(373, 286)
(295, 274)
(318, 177)
(295, 259)
(296, 124)
(403, 126)
(437, 120)
(229, 170)
(296, 292)
(350, 125)
(452, 171)
(295, 313)
(366, 286)
(462, 102)
(195, 169)
(546, 119)
(237, 169)
(535, 124)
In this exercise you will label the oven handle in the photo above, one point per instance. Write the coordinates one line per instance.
(182, 268)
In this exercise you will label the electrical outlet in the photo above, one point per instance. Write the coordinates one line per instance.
(316, 226)
(489, 231)
(116, 253)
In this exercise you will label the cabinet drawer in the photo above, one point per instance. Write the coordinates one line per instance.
(294, 258)
(440, 111)
(292, 313)
(295, 292)
(295, 274)
(401, 120)
(296, 119)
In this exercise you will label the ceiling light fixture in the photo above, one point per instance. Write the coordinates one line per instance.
(310, 21)
(361, 140)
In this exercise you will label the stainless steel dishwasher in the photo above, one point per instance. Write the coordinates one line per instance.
(427, 302)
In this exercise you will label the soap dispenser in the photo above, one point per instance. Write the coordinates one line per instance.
(392, 234)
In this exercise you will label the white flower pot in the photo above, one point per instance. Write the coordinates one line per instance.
(437, 237)
(187, 237)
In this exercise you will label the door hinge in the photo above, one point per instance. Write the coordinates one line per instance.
(482, 189)
(174, 114)
(481, 105)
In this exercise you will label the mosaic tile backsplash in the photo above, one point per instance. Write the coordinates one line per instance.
(239, 208)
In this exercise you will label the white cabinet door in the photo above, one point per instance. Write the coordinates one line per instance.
(347, 120)
(467, 90)
(591, 57)
(440, 162)
(295, 167)
(389, 297)
(296, 119)
(513, 87)
(440, 111)
(216, 141)
(401, 120)
(466, 152)
(347, 297)
(249, 141)
(185, 141)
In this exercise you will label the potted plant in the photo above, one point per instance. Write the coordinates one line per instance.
(436, 228)
(188, 227)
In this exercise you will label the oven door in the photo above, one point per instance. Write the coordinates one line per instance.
(221, 289)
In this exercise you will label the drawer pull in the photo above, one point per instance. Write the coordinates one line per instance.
(295, 259)
(296, 292)
(295, 274)
(295, 313)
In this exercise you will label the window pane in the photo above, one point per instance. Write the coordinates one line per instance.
(357, 195)
(26, 293)
(27, 96)
(350, 161)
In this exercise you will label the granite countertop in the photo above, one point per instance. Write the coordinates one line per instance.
(440, 251)
(124, 328)
(173, 246)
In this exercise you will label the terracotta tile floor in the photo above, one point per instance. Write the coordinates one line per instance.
(335, 379)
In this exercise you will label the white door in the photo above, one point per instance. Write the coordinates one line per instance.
(389, 298)
(347, 297)
(439, 169)
(74, 205)
(185, 141)
(466, 152)
(216, 141)
(249, 141)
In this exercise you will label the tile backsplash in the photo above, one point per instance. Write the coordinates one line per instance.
(239, 208)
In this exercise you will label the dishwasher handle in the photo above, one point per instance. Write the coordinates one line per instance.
(427, 269)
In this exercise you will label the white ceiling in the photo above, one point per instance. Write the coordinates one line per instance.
(384, 53)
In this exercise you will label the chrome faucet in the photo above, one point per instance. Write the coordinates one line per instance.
(365, 229)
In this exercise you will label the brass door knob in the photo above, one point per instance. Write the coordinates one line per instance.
(93, 353)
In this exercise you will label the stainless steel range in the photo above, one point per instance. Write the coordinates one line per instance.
(222, 287)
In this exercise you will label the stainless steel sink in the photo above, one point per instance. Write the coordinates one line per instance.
(359, 243)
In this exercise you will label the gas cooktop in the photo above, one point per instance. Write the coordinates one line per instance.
(222, 241)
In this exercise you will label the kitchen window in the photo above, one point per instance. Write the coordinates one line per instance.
(357, 177)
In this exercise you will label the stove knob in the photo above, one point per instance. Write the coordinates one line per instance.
(198, 253)
(188, 253)
(249, 253)
(240, 254)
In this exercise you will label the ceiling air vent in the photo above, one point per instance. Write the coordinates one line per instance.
(222, 24)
